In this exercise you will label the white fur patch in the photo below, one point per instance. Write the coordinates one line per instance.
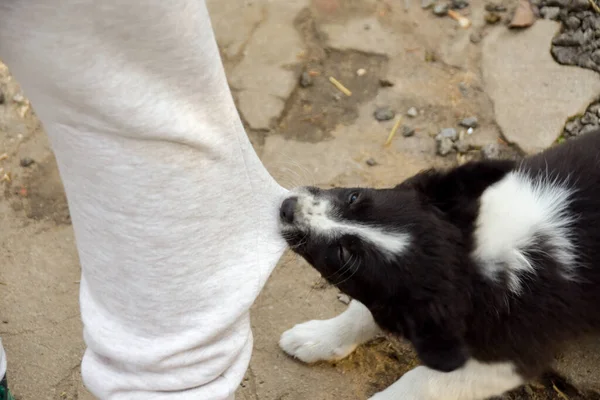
(474, 381)
(332, 339)
(513, 213)
(317, 215)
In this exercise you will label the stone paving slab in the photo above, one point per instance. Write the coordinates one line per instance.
(533, 96)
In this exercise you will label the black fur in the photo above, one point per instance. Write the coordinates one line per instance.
(434, 293)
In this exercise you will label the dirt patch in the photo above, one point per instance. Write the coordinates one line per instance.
(41, 195)
(317, 106)
(314, 111)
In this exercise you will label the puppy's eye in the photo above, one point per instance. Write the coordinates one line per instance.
(352, 198)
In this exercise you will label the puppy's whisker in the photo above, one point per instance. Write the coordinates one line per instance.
(339, 272)
(348, 269)
(348, 278)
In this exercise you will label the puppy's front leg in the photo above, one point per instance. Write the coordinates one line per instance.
(332, 339)
(474, 381)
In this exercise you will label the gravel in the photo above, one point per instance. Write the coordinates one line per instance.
(371, 162)
(469, 122)
(440, 9)
(449, 133)
(550, 12)
(444, 146)
(459, 4)
(412, 112)
(408, 131)
(384, 114)
(578, 43)
(26, 162)
(306, 80)
(445, 141)
(587, 122)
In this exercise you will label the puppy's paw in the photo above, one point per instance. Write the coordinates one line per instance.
(314, 341)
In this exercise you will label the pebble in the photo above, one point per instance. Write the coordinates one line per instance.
(306, 80)
(18, 98)
(427, 3)
(459, 4)
(569, 39)
(385, 83)
(589, 118)
(579, 5)
(588, 129)
(371, 162)
(475, 37)
(2, 98)
(440, 9)
(565, 55)
(344, 298)
(449, 133)
(573, 127)
(444, 146)
(595, 56)
(492, 18)
(26, 162)
(407, 131)
(469, 122)
(361, 72)
(490, 151)
(550, 12)
(412, 112)
(573, 22)
(524, 16)
(384, 114)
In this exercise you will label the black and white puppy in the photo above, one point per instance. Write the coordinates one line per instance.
(487, 268)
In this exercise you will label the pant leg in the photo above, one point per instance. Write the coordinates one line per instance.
(175, 217)
(2, 360)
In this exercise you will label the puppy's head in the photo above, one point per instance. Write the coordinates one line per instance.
(345, 233)
(384, 248)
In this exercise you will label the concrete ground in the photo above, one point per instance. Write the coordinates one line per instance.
(307, 132)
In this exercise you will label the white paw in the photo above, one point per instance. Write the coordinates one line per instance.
(314, 341)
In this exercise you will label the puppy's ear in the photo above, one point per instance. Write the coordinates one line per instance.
(445, 189)
(438, 339)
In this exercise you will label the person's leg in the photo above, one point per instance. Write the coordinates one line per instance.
(4, 392)
(2, 361)
(174, 215)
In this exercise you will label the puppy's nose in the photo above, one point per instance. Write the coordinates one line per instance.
(286, 212)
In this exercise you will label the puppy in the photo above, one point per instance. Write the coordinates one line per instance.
(487, 268)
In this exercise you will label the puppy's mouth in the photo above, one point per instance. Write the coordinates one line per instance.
(290, 223)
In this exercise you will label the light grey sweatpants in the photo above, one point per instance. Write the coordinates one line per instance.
(174, 215)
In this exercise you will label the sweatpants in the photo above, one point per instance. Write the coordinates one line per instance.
(175, 217)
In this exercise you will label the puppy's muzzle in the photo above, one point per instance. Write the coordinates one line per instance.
(288, 209)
